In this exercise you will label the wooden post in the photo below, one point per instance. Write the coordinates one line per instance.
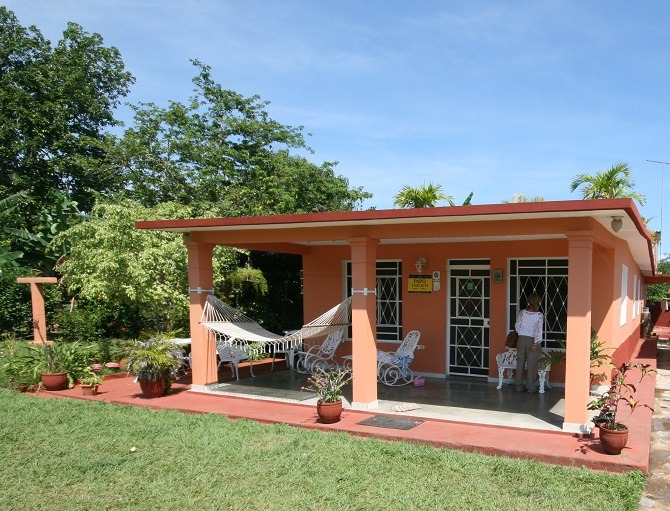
(37, 299)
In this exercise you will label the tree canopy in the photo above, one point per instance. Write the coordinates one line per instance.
(221, 152)
(55, 105)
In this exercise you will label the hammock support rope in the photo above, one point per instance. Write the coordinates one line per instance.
(230, 325)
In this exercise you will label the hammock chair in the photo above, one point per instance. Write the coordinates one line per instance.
(230, 325)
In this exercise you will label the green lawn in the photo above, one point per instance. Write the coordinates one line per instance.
(76, 455)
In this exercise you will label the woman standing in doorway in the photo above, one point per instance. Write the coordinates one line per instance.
(528, 325)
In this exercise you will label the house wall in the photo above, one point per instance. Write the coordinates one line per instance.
(323, 284)
(625, 337)
(323, 287)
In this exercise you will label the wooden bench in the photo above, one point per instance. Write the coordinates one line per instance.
(507, 362)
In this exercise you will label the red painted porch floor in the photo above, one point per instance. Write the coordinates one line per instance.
(554, 447)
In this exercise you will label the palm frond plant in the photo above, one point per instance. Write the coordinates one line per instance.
(153, 361)
(613, 183)
(425, 196)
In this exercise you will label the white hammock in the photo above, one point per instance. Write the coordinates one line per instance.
(229, 324)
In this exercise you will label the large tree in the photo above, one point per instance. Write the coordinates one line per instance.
(613, 183)
(223, 153)
(56, 103)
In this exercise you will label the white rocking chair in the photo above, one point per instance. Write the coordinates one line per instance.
(393, 367)
(233, 355)
(320, 356)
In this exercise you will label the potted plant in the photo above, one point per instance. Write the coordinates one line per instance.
(612, 432)
(328, 384)
(58, 365)
(153, 362)
(90, 383)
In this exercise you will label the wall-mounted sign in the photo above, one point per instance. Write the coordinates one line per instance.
(497, 276)
(420, 284)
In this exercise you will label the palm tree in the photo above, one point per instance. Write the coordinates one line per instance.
(518, 197)
(615, 183)
(421, 197)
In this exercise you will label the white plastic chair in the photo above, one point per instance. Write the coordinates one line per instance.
(232, 355)
(393, 366)
(320, 355)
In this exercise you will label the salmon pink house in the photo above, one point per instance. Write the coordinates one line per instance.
(459, 275)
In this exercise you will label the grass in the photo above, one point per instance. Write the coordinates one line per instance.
(79, 455)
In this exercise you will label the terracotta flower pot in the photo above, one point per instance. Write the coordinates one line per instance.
(613, 440)
(89, 390)
(55, 381)
(153, 388)
(329, 413)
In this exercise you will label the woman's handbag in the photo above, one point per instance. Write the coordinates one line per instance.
(512, 337)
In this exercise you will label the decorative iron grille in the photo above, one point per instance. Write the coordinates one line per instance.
(469, 297)
(389, 299)
(549, 279)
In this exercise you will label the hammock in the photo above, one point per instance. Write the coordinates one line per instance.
(230, 325)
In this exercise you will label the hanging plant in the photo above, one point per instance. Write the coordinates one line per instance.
(248, 276)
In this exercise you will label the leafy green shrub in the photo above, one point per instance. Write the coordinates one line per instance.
(257, 351)
(14, 372)
(78, 325)
(656, 292)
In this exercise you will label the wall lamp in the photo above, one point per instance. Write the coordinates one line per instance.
(420, 264)
(617, 223)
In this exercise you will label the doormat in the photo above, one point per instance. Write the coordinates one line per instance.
(384, 421)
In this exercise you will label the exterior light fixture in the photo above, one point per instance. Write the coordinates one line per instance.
(420, 264)
(617, 223)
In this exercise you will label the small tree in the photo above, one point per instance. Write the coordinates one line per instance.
(614, 183)
(421, 197)
(110, 260)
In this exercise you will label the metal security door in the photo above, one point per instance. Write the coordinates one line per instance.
(469, 293)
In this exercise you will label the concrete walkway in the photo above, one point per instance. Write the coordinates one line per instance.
(657, 491)
(554, 447)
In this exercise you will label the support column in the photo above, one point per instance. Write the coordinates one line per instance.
(200, 282)
(577, 363)
(37, 299)
(364, 322)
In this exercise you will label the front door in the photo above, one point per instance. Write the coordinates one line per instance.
(468, 339)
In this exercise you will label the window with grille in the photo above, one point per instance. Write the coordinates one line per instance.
(389, 299)
(549, 279)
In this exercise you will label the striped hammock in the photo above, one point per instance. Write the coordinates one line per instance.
(229, 324)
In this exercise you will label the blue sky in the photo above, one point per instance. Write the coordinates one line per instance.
(496, 98)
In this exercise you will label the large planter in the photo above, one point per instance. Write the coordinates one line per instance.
(329, 413)
(54, 381)
(613, 440)
(153, 388)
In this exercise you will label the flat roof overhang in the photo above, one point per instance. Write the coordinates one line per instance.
(296, 233)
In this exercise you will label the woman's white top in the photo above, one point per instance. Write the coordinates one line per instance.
(530, 324)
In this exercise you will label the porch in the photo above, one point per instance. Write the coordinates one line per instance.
(465, 414)
(472, 400)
